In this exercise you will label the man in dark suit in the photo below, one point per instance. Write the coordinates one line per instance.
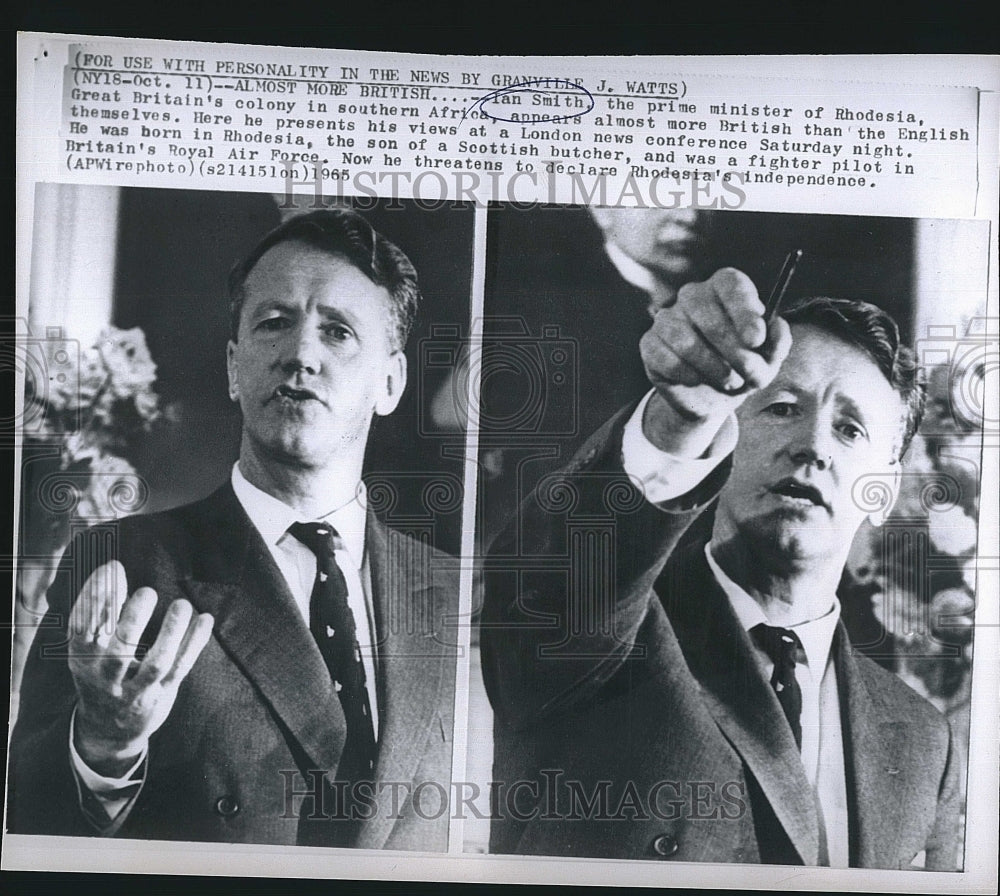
(293, 682)
(707, 706)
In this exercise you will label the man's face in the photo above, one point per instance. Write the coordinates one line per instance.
(828, 419)
(314, 360)
(663, 240)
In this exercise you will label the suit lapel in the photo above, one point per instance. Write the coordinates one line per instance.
(258, 624)
(876, 750)
(720, 656)
(412, 665)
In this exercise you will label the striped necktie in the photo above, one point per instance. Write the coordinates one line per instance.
(782, 645)
(332, 625)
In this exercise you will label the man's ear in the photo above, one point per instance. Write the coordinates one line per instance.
(890, 480)
(232, 371)
(395, 383)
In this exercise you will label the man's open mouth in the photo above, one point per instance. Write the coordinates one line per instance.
(291, 393)
(799, 491)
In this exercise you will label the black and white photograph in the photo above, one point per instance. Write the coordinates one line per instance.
(728, 504)
(572, 469)
(240, 509)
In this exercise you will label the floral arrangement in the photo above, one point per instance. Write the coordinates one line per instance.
(92, 410)
(919, 568)
(915, 575)
(84, 412)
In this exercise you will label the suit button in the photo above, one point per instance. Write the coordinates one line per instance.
(226, 806)
(665, 845)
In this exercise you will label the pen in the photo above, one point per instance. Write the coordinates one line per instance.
(781, 284)
(777, 294)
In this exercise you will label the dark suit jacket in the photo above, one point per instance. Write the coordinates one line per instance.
(625, 688)
(257, 713)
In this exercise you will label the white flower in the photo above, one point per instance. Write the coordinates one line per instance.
(72, 384)
(77, 448)
(147, 406)
(129, 365)
(952, 531)
(952, 608)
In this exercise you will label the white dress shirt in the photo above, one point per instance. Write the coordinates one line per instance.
(631, 271)
(272, 519)
(822, 737)
(101, 795)
(665, 477)
(661, 476)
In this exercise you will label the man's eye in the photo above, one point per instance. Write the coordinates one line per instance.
(269, 324)
(780, 409)
(338, 332)
(851, 431)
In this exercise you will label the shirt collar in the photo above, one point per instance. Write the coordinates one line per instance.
(816, 635)
(630, 269)
(272, 517)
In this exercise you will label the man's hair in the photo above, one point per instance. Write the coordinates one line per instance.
(874, 331)
(343, 233)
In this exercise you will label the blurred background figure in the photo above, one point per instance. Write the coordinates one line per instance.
(653, 249)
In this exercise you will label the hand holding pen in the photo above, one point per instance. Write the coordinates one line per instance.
(707, 352)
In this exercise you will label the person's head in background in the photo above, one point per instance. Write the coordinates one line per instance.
(666, 242)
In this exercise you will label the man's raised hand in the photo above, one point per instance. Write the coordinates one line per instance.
(122, 698)
(704, 354)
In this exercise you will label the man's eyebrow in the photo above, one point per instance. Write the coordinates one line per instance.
(850, 406)
(780, 384)
(335, 312)
(328, 312)
(275, 304)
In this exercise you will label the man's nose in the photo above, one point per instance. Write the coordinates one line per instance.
(811, 445)
(302, 349)
(686, 216)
